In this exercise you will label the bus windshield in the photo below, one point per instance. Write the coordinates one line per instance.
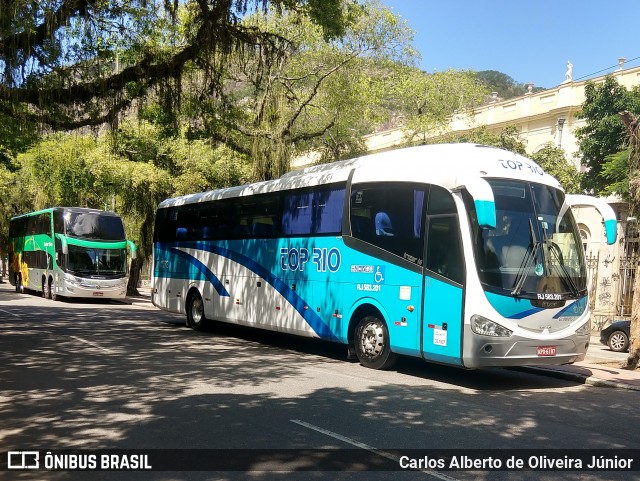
(97, 226)
(88, 262)
(535, 250)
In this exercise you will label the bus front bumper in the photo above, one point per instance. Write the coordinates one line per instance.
(95, 292)
(486, 351)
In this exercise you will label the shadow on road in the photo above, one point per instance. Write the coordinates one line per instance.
(115, 376)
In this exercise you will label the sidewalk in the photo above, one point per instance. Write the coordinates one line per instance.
(594, 374)
(600, 367)
(143, 298)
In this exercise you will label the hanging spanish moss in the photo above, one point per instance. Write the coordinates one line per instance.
(76, 63)
(270, 152)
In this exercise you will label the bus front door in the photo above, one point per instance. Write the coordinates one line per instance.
(443, 291)
(442, 322)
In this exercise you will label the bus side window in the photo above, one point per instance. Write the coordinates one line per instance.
(313, 212)
(444, 247)
(389, 216)
(444, 255)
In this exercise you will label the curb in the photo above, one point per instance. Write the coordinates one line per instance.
(592, 381)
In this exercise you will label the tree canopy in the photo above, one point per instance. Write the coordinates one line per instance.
(505, 86)
(73, 63)
(601, 141)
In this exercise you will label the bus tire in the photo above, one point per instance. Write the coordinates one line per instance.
(19, 286)
(372, 344)
(47, 286)
(195, 311)
(52, 290)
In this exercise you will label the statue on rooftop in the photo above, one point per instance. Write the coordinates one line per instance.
(569, 74)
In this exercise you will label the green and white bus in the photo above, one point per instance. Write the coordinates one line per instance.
(69, 252)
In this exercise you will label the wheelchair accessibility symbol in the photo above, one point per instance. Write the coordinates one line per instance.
(379, 275)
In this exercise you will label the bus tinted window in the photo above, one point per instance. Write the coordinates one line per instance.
(314, 212)
(256, 217)
(444, 252)
(36, 259)
(441, 201)
(31, 225)
(214, 219)
(89, 225)
(390, 216)
(444, 248)
(58, 221)
(305, 212)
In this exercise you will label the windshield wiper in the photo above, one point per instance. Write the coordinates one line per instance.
(532, 253)
(553, 247)
(82, 272)
(557, 253)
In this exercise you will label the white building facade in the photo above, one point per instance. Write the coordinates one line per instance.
(540, 118)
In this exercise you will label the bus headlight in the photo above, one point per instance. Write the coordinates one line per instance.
(485, 327)
(584, 329)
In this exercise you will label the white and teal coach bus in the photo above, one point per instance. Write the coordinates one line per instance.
(459, 254)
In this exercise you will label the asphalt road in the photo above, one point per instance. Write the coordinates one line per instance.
(93, 376)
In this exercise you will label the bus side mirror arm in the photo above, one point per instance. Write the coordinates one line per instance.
(63, 243)
(483, 200)
(605, 210)
(133, 249)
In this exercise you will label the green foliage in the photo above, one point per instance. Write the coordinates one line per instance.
(57, 172)
(507, 139)
(505, 86)
(81, 63)
(554, 162)
(15, 136)
(429, 100)
(309, 93)
(306, 92)
(615, 174)
(604, 133)
(131, 179)
(10, 200)
(329, 15)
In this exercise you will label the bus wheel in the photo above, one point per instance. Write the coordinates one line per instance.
(52, 290)
(45, 288)
(195, 312)
(372, 344)
(19, 286)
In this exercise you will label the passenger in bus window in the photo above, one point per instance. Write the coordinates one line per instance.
(384, 227)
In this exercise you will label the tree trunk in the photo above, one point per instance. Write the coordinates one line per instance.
(134, 277)
(634, 339)
(632, 124)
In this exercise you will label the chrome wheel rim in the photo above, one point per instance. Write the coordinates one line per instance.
(617, 341)
(372, 339)
(197, 309)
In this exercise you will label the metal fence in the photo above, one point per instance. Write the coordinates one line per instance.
(628, 266)
(610, 293)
